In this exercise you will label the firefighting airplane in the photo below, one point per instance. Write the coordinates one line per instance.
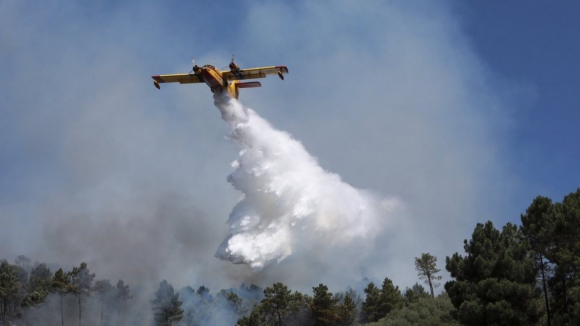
(218, 81)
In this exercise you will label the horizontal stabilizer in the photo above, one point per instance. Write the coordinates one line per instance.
(248, 85)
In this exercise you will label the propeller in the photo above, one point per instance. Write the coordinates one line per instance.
(194, 67)
(233, 65)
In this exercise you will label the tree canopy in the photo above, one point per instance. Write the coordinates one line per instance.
(525, 275)
(427, 270)
(494, 284)
(166, 305)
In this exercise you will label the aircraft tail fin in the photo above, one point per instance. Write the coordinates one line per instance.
(234, 87)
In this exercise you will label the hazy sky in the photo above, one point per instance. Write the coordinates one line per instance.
(462, 111)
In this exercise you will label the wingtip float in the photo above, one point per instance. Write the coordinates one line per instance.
(222, 80)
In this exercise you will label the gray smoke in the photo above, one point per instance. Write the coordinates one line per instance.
(99, 166)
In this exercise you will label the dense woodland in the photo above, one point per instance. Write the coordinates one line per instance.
(516, 275)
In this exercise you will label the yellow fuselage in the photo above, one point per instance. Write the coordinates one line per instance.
(216, 82)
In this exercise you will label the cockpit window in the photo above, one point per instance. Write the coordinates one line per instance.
(209, 66)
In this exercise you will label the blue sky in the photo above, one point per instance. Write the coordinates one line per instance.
(535, 44)
(464, 111)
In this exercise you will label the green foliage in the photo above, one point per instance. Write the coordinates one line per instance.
(282, 307)
(427, 270)
(279, 302)
(390, 298)
(81, 280)
(552, 230)
(380, 302)
(427, 311)
(61, 282)
(495, 283)
(232, 302)
(122, 292)
(22, 280)
(166, 305)
(370, 306)
(225, 308)
(8, 286)
(536, 229)
(39, 285)
(104, 292)
(254, 319)
(323, 306)
(412, 295)
(346, 311)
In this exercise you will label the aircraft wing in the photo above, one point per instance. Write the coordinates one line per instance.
(252, 73)
(178, 78)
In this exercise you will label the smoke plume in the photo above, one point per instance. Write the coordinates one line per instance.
(289, 202)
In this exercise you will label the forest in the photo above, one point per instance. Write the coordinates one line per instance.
(524, 274)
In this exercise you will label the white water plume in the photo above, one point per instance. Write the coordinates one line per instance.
(288, 200)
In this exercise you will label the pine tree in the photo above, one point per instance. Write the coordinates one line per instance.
(536, 228)
(279, 302)
(39, 285)
(166, 305)
(323, 306)
(380, 302)
(22, 293)
(61, 283)
(119, 298)
(564, 253)
(390, 298)
(254, 319)
(346, 311)
(426, 267)
(413, 294)
(104, 292)
(495, 283)
(370, 307)
(8, 286)
(81, 281)
(123, 293)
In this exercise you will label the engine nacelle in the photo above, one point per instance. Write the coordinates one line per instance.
(234, 66)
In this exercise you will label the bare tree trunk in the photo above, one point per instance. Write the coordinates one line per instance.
(279, 319)
(61, 312)
(566, 298)
(79, 310)
(545, 290)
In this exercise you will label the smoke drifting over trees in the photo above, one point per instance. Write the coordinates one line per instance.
(131, 181)
(106, 170)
